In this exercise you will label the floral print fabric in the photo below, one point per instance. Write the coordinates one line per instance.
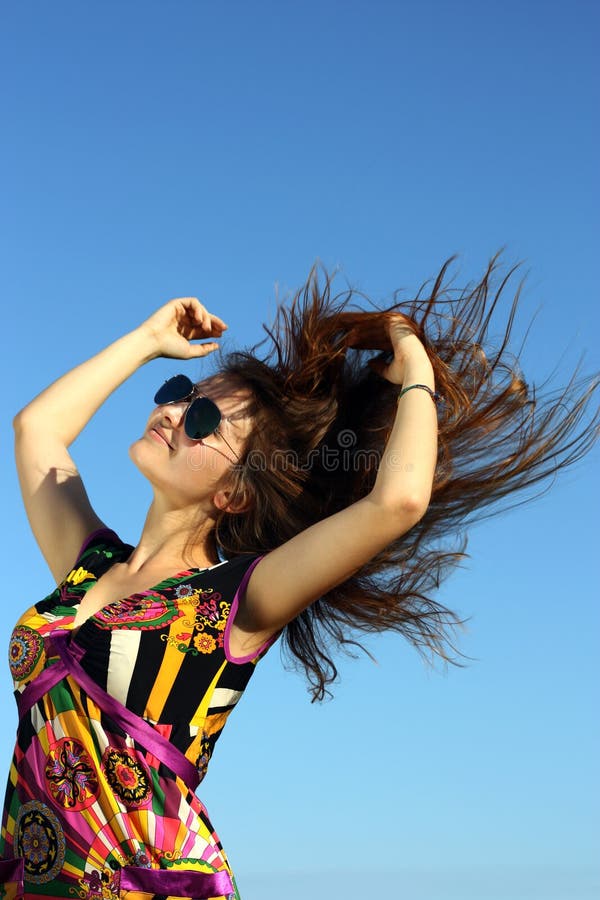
(90, 802)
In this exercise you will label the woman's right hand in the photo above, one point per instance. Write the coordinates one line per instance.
(171, 328)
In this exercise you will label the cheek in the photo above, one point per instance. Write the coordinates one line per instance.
(202, 459)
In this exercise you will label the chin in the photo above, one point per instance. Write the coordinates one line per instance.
(136, 454)
(131, 449)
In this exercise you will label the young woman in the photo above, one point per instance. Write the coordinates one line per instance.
(303, 493)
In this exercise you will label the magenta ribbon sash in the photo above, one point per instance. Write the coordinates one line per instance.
(164, 882)
(140, 730)
(167, 882)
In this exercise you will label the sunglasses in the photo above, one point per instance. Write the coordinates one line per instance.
(202, 416)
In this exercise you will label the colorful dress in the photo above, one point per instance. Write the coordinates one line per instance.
(117, 724)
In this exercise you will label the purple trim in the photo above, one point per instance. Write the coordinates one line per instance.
(91, 537)
(199, 885)
(140, 730)
(240, 660)
(36, 689)
(12, 871)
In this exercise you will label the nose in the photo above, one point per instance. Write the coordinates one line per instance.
(174, 413)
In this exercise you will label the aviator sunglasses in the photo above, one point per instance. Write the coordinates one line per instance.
(202, 416)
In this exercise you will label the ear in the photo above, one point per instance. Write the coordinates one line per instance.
(232, 501)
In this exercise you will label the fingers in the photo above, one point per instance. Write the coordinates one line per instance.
(397, 320)
(197, 351)
(374, 331)
(197, 313)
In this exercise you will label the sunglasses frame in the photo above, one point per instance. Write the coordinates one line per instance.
(194, 395)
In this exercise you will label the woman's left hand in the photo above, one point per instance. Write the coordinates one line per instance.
(388, 332)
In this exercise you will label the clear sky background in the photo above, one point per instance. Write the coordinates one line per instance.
(153, 150)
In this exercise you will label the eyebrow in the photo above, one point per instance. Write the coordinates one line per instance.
(235, 419)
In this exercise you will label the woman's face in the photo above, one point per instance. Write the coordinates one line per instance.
(188, 472)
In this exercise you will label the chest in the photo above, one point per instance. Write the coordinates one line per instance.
(112, 588)
(114, 599)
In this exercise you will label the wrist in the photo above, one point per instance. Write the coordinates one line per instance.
(144, 343)
(418, 368)
(437, 398)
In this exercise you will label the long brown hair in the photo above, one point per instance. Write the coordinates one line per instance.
(316, 399)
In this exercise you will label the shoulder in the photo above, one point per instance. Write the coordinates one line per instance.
(242, 562)
(235, 571)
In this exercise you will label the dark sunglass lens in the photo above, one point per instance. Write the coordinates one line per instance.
(177, 388)
(203, 417)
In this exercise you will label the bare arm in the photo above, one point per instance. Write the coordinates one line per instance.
(56, 502)
(324, 555)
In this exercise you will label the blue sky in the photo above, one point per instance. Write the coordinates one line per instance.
(156, 150)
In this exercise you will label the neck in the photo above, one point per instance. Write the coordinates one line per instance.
(170, 541)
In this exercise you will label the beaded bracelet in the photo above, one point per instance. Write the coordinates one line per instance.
(433, 394)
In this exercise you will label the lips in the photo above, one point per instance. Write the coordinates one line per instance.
(162, 435)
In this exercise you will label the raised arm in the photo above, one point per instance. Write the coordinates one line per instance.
(294, 575)
(57, 505)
